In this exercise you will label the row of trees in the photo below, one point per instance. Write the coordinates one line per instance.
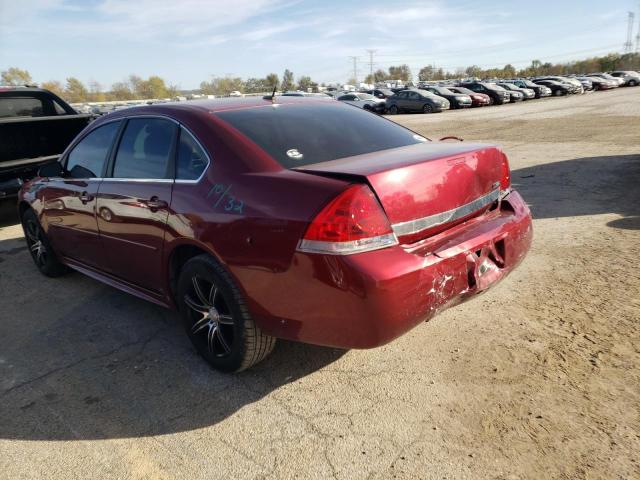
(135, 87)
(73, 90)
(612, 61)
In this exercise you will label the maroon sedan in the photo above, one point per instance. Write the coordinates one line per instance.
(477, 99)
(300, 219)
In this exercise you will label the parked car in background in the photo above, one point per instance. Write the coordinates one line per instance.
(35, 127)
(586, 82)
(364, 101)
(514, 95)
(539, 90)
(497, 95)
(527, 93)
(600, 83)
(415, 100)
(380, 92)
(619, 81)
(477, 99)
(631, 78)
(573, 85)
(456, 100)
(154, 201)
(558, 89)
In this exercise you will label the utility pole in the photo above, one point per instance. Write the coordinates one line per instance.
(628, 45)
(371, 52)
(355, 67)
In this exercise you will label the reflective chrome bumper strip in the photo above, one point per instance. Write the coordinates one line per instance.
(416, 226)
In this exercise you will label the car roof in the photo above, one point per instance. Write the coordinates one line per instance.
(220, 104)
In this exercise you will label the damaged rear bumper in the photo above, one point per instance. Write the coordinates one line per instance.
(368, 299)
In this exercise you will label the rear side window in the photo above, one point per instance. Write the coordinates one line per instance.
(87, 158)
(21, 107)
(296, 134)
(191, 158)
(145, 149)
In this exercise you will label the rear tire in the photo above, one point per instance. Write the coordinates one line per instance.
(392, 110)
(39, 246)
(216, 318)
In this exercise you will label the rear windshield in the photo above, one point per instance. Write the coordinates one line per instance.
(296, 135)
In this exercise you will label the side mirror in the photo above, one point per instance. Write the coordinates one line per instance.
(53, 169)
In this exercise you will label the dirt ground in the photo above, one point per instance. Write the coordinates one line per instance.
(537, 378)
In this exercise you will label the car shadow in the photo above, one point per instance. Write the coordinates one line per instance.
(584, 186)
(81, 360)
(8, 212)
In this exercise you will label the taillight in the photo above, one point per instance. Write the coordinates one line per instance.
(505, 181)
(353, 222)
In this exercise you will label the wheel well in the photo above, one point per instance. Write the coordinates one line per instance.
(179, 256)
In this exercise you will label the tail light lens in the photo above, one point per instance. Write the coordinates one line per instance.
(353, 222)
(505, 181)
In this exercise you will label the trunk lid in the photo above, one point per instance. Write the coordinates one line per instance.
(429, 187)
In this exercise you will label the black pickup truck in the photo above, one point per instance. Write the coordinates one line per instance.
(35, 128)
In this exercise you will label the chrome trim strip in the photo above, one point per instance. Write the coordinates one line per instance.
(137, 180)
(416, 226)
(347, 248)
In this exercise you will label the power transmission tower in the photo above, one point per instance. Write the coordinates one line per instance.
(628, 45)
(355, 68)
(371, 52)
(638, 34)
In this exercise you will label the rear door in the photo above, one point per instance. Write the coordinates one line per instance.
(133, 203)
(69, 208)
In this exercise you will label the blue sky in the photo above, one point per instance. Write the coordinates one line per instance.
(187, 41)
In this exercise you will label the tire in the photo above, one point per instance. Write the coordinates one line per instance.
(216, 318)
(39, 246)
(633, 83)
(491, 101)
(392, 110)
(558, 93)
(427, 108)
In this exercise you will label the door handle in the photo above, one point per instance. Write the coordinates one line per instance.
(155, 203)
(85, 197)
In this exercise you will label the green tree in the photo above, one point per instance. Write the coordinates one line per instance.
(305, 84)
(16, 76)
(400, 72)
(426, 73)
(54, 86)
(153, 87)
(287, 80)
(257, 85)
(96, 93)
(222, 86)
(272, 80)
(120, 91)
(75, 91)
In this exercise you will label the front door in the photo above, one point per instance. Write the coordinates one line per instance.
(133, 204)
(69, 209)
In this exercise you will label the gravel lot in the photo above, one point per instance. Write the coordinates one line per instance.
(537, 378)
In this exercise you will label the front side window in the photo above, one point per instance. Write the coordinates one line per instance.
(145, 149)
(191, 158)
(88, 157)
